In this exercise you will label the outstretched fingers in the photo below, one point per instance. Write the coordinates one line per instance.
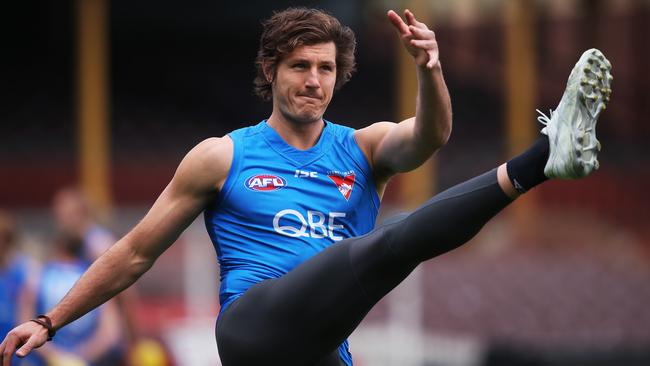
(419, 40)
(410, 19)
(398, 23)
(26, 337)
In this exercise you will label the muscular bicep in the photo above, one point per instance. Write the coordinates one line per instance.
(196, 181)
(172, 212)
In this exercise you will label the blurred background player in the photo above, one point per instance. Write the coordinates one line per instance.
(93, 339)
(74, 218)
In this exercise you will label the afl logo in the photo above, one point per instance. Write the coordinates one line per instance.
(265, 182)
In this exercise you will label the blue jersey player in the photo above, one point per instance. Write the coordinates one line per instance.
(290, 202)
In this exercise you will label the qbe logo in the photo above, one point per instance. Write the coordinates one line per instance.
(314, 224)
(265, 182)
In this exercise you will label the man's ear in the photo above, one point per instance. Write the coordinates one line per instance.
(269, 71)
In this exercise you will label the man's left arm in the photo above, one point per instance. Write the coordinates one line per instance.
(400, 147)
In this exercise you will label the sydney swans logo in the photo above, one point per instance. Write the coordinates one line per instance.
(344, 182)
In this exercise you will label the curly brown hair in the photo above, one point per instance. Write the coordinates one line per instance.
(285, 30)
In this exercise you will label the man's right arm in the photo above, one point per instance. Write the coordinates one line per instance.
(197, 180)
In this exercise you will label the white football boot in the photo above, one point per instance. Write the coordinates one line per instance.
(571, 128)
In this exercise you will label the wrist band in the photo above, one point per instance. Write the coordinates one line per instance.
(46, 322)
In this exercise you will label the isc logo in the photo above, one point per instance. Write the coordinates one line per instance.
(265, 182)
(304, 174)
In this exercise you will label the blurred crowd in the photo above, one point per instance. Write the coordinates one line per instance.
(31, 285)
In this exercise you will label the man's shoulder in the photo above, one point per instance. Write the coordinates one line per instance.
(205, 167)
(212, 152)
(377, 128)
(211, 144)
(212, 157)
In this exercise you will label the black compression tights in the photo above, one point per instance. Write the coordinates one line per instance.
(301, 318)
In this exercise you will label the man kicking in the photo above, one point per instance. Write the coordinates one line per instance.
(290, 203)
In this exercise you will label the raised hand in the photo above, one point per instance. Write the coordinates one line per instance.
(418, 39)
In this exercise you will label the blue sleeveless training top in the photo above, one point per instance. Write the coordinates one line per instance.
(279, 206)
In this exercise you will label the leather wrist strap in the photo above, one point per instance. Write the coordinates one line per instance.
(46, 322)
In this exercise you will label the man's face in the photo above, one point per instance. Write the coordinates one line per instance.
(304, 82)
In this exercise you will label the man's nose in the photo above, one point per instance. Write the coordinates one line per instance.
(312, 78)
